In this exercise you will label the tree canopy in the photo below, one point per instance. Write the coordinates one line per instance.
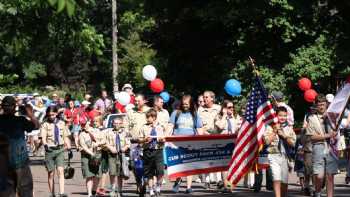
(195, 45)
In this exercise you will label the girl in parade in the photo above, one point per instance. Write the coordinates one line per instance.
(55, 138)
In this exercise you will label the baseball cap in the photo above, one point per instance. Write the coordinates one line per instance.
(8, 101)
(36, 94)
(277, 95)
(127, 85)
(85, 102)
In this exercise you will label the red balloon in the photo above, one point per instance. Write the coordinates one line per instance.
(157, 85)
(310, 95)
(304, 84)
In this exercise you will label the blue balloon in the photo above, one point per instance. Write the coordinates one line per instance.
(165, 96)
(233, 87)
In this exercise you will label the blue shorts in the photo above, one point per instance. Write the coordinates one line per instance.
(75, 129)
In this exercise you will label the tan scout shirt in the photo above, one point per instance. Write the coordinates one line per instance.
(86, 143)
(208, 115)
(273, 145)
(146, 130)
(163, 118)
(111, 136)
(137, 120)
(47, 133)
(100, 137)
(221, 124)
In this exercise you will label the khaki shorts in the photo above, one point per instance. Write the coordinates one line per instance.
(86, 169)
(308, 164)
(279, 167)
(54, 158)
(323, 163)
(114, 164)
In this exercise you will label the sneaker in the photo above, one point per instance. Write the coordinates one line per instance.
(226, 191)
(63, 195)
(347, 180)
(158, 191)
(198, 180)
(188, 191)
(317, 194)
(176, 186)
(101, 192)
(151, 192)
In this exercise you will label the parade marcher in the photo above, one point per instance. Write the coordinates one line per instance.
(103, 104)
(100, 135)
(12, 130)
(226, 122)
(185, 121)
(117, 143)
(162, 114)
(137, 117)
(200, 101)
(307, 154)
(91, 143)
(323, 160)
(152, 138)
(345, 131)
(278, 102)
(55, 138)
(299, 161)
(208, 113)
(280, 139)
(71, 120)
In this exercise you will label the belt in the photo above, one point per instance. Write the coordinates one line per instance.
(56, 147)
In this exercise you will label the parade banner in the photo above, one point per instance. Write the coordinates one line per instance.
(190, 155)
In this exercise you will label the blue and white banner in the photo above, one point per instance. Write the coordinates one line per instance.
(189, 155)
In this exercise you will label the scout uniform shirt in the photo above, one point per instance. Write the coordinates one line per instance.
(208, 116)
(100, 137)
(136, 120)
(315, 125)
(148, 130)
(273, 146)
(47, 131)
(227, 125)
(111, 138)
(86, 142)
(163, 118)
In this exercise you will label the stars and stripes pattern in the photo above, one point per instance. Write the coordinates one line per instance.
(259, 113)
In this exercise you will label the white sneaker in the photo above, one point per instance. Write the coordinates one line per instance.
(151, 192)
(198, 180)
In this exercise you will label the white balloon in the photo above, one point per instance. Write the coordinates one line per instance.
(149, 72)
(123, 98)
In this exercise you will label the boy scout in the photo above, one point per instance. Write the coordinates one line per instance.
(280, 139)
(152, 137)
(322, 159)
(137, 118)
(117, 142)
(91, 144)
(55, 135)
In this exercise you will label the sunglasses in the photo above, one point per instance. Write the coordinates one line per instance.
(229, 107)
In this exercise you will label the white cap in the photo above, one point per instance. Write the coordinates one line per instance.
(127, 85)
(85, 102)
(330, 97)
(36, 94)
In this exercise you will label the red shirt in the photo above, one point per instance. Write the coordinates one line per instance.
(119, 107)
(71, 114)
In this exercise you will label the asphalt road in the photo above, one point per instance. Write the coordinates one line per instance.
(76, 186)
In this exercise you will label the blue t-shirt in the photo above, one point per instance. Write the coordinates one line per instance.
(184, 123)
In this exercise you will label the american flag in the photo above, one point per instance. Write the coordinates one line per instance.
(259, 113)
